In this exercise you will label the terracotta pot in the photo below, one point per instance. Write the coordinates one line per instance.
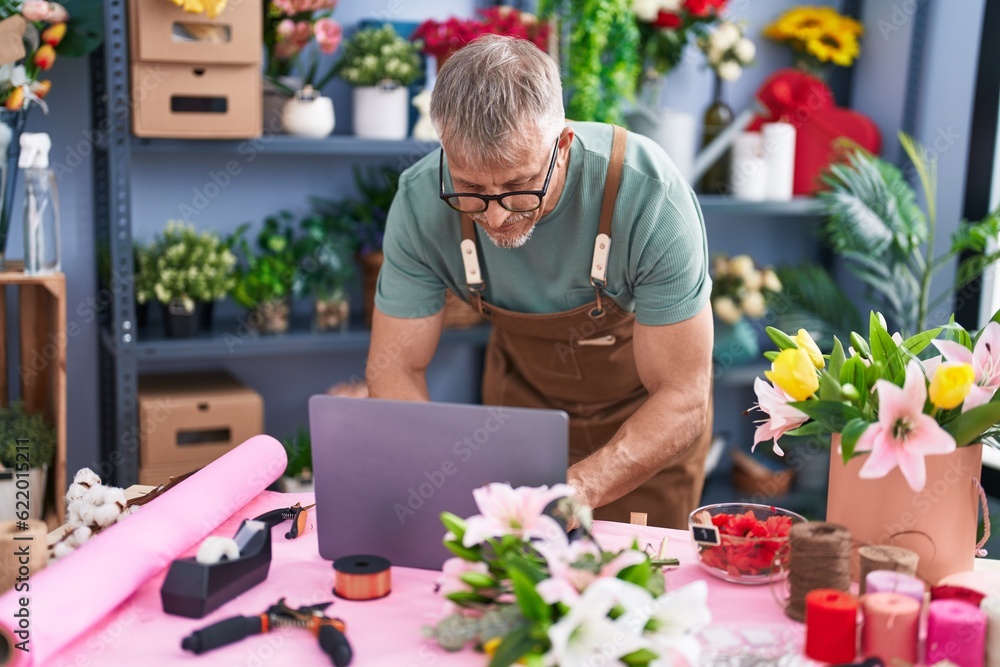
(939, 523)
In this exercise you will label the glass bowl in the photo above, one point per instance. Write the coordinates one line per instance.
(744, 543)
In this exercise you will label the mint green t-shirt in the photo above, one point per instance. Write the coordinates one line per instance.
(659, 255)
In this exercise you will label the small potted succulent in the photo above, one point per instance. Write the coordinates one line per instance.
(326, 265)
(265, 277)
(186, 271)
(380, 65)
(28, 445)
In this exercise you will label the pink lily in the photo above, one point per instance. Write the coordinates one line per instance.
(773, 402)
(508, 511)
(568, 582)
(903, 435)
(450, 580)
(985, 361)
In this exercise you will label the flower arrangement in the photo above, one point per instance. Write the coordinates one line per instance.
(184, 266)
(519, 590)
(818, 36)
(375, 56)
(442, 38)
(889, 397)
(740, 289)
(665, 26)
(40, 31)
(727, 50)
(289, 27)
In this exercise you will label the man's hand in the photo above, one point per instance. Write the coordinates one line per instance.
(400, 351)
(675, 365)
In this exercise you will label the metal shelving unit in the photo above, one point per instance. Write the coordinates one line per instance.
(122, 355)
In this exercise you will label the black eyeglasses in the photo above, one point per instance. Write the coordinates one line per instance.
(519, 201)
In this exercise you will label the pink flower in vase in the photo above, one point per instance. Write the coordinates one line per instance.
(773, 402)
(903, 434)
(985, 362)
(508, 511)
(328, 35)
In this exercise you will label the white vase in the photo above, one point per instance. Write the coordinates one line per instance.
(33, 487)
(673, 130)
(308, 114)
(381, 112)
(274, 103)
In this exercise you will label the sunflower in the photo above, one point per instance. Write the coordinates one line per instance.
(801, 24)
(839, 46)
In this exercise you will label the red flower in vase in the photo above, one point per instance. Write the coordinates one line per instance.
(702, 8)
(745, 549)
(668, 20)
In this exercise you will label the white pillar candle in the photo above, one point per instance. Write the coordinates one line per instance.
(748, 175)
(676, 134)
(779, 154)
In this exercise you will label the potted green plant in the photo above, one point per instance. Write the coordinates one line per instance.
(326, 265)
(380, 65)
(28, 445)
(187, 272)
(298, 472)
(265, 277)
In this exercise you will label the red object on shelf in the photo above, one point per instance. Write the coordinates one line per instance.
(831, 625)
(792, 96)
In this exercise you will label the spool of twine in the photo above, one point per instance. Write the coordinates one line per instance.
(879, 557)
(820, 557)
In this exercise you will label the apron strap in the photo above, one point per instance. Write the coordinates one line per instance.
(602, 244)
(470, 260)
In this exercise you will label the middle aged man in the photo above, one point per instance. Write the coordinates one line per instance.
(586, 249)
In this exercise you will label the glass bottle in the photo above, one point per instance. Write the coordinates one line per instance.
(717, 117)
(41, 207)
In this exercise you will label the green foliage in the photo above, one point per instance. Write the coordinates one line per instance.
(811, 300)
(366, 216)
(184, 264)
(375, 56)
(326, 256)
(601, 56)
(16, 425)
(267, 273)
(299, 451)
(85, 28)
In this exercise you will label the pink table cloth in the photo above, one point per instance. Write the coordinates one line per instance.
(388, 632)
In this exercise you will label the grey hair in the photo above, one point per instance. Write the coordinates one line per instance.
(492, 97)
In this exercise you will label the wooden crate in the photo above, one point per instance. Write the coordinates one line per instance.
(42, 365)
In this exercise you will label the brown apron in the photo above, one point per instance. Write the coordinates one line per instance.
(581, 361)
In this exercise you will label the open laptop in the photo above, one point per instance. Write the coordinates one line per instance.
(385, 470)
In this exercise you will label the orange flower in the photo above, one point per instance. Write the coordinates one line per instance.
(42, 88)
(15, 101)
(45, 57)
(54, 34)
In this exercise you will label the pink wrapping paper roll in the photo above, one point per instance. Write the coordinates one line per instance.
(71, 595)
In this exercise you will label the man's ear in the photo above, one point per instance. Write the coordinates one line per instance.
(565, 141)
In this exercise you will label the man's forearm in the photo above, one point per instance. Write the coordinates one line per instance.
(398, 384)
(650, 440)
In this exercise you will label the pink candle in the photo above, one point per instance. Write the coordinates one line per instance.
(891, 623)
(886, 581)
(956, 631)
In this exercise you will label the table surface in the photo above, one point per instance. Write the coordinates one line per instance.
(388, 632)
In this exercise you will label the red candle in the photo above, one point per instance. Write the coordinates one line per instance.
(890, 629)
(831, 625)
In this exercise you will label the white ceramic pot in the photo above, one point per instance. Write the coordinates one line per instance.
(381, 112)
(32, 488)
(309, 116)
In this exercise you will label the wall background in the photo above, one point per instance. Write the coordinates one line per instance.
(163, 183)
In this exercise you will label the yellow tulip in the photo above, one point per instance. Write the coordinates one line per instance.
(805, 342)
(951, 384)
(794, 373)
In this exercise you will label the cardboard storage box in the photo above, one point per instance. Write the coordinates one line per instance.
(162, 32)
(190, 419)
(197, 101)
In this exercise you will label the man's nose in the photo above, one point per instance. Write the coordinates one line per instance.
(495, 215)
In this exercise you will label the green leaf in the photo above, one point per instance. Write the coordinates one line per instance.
(531, 603)
(455, 524)
(837, 358)
(849, 437)
(513, 647)
(781, 339)
(919, 342)
(969, 426)
(637, 574)
(771, 355)
(464, 552)
(639, 658)
(829, 387)
(465, 598)
(810, 299)
(860, 345)
(478, 580)
(833, 416)
(854, 372)
(809, 428)
(884, 349)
